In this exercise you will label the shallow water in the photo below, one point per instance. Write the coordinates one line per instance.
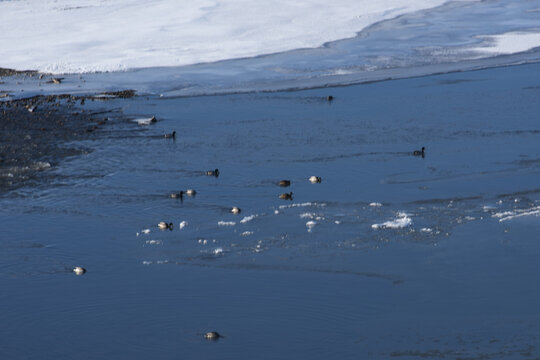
(391, 255)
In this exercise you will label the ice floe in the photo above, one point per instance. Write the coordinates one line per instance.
(402, 220)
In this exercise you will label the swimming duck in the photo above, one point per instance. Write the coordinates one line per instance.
(191, 192)
(286, 196)
(79, 270)
(171, 135)
(164, 226)
(235, 210)
(315, 179)
(419, 152)
(214, 172)
(179, 195)
(330, 98)
(212, 335)
(57, 80)
(285, 183)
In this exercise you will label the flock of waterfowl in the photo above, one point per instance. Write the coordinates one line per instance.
(163, 225)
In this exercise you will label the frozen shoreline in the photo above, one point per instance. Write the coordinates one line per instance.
(67, 36)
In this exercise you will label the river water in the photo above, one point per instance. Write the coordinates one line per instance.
(390, 255)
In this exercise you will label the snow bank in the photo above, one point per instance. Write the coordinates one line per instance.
(77, 36)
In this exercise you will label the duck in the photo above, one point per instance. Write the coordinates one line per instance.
(179, 195)
(164, 226)
(79, 270)
(214, 172)
(315, 179)
(170, 136)
(286, 196)
(285, 183)
(419, 152)
(235, 210)
(57, 80)
(330, 98)
(212, 335)
(191, 192)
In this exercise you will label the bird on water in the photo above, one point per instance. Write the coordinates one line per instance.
(315, 179)
(164, 226)
(79, 270)
(420, 152)
(212, 335)
(179, 195)
(285, 183)
(170, 136)
(214, 172)
(286, 196)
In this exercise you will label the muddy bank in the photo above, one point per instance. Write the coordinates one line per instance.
(33, 132)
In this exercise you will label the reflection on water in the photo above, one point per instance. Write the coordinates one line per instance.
(389, 255)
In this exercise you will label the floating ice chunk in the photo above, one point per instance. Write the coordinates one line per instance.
(217, 251)
(337, 222)
(144, 231)
(154, 242)
(310, 225)
(145, 121)
(403, 220)
(276, 212)
(307, 215)
(426, 230)
(248, 218)
(146, 262)
(183, 224)
(247, 233)
(375, 204)
(226, 223)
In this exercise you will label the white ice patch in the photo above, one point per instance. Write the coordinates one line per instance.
(403, 220)
(302, 205)
(154, 242)
(509, 215)
(226, 223)
(217, 251)
(146, 262)
(183, 224)
(375, 204)
(248, 218)
(144, 231)
(426, 230)
(307, 215)
(510, 43)
(310, 225)
(76, 36)
(247, 233)
(143, 121)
